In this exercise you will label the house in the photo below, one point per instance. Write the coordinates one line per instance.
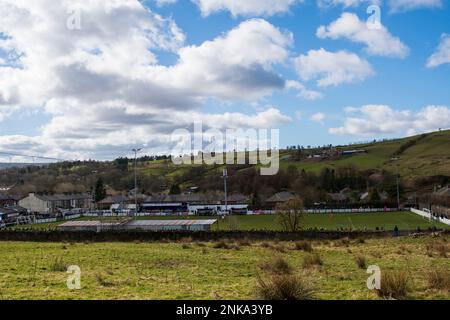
(352, 152)
(280, 198)
(7, 200)
(40, 203)
(342, 196)
(443, 192)
(109, 202)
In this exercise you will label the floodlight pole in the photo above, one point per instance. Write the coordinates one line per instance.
(398, 182)
(225, 177)
(135, 181)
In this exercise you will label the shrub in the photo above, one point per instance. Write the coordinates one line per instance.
(58, 265)
(394, 285)
(343, 243)
(312, 261)
(244, 243)
(303, 246)
(277, 266)
(221, 245)
(439, 280)
(361, 262)
(287, 287)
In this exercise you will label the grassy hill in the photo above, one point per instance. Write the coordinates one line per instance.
(427, 155)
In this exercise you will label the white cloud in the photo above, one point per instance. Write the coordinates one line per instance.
(318, 117)
(237, 65)
(161, 3)
(378, 41)
(104, 87)
(246, 7)
(405, 5)
(442, 54)
(303, 91)
(332, 68)
(345, 3)
(376, 120)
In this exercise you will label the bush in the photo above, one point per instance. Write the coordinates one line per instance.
(439, 280)
(394, 286)
(277, 266)
(312, 261)
(281, 288)
(361, 262)
(303, 246)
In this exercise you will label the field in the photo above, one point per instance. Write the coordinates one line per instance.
(356, 221)
(188, 270)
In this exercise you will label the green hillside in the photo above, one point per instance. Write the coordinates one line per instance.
(429, 156)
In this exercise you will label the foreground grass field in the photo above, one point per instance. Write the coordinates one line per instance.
(211, 270)
(354, 221)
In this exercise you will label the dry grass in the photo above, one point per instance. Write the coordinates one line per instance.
(304, 246)
(361, 262)
(394, 285)
(284, 288)
(437, 248)
(312, 260)
(58, 265)
(439, 280)
(277, 266)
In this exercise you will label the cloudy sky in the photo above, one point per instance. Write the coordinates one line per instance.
(94, 78)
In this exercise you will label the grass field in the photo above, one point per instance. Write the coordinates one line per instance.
(187, 270)
(355, 221)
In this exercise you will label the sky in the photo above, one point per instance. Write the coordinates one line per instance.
(94, 79)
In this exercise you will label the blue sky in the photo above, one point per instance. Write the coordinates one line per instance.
(374, 91)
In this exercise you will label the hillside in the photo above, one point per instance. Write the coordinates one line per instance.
(423, 156)
(420, 158)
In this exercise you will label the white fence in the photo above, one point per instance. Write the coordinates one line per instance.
(428, 215)
(360, 210)
(42, 221)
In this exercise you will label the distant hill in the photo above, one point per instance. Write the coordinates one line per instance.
(423, 162)
(18, 165)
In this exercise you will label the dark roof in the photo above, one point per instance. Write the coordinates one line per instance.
(238, 197)
(4, 197)
(63, 197)
(281, 197)
(114, 199)
(443, 192)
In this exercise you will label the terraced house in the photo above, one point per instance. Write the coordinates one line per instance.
(41, 203)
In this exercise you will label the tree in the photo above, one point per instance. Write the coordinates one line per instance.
(290, 214)
(121, 164)
(175, 189)
(99, 191)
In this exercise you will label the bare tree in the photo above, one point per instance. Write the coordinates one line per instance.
(290, 214)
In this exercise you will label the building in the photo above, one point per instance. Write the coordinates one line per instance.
(39, 203)
(11, 213)
(7, 200)
(280, 198)
(114, 201)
